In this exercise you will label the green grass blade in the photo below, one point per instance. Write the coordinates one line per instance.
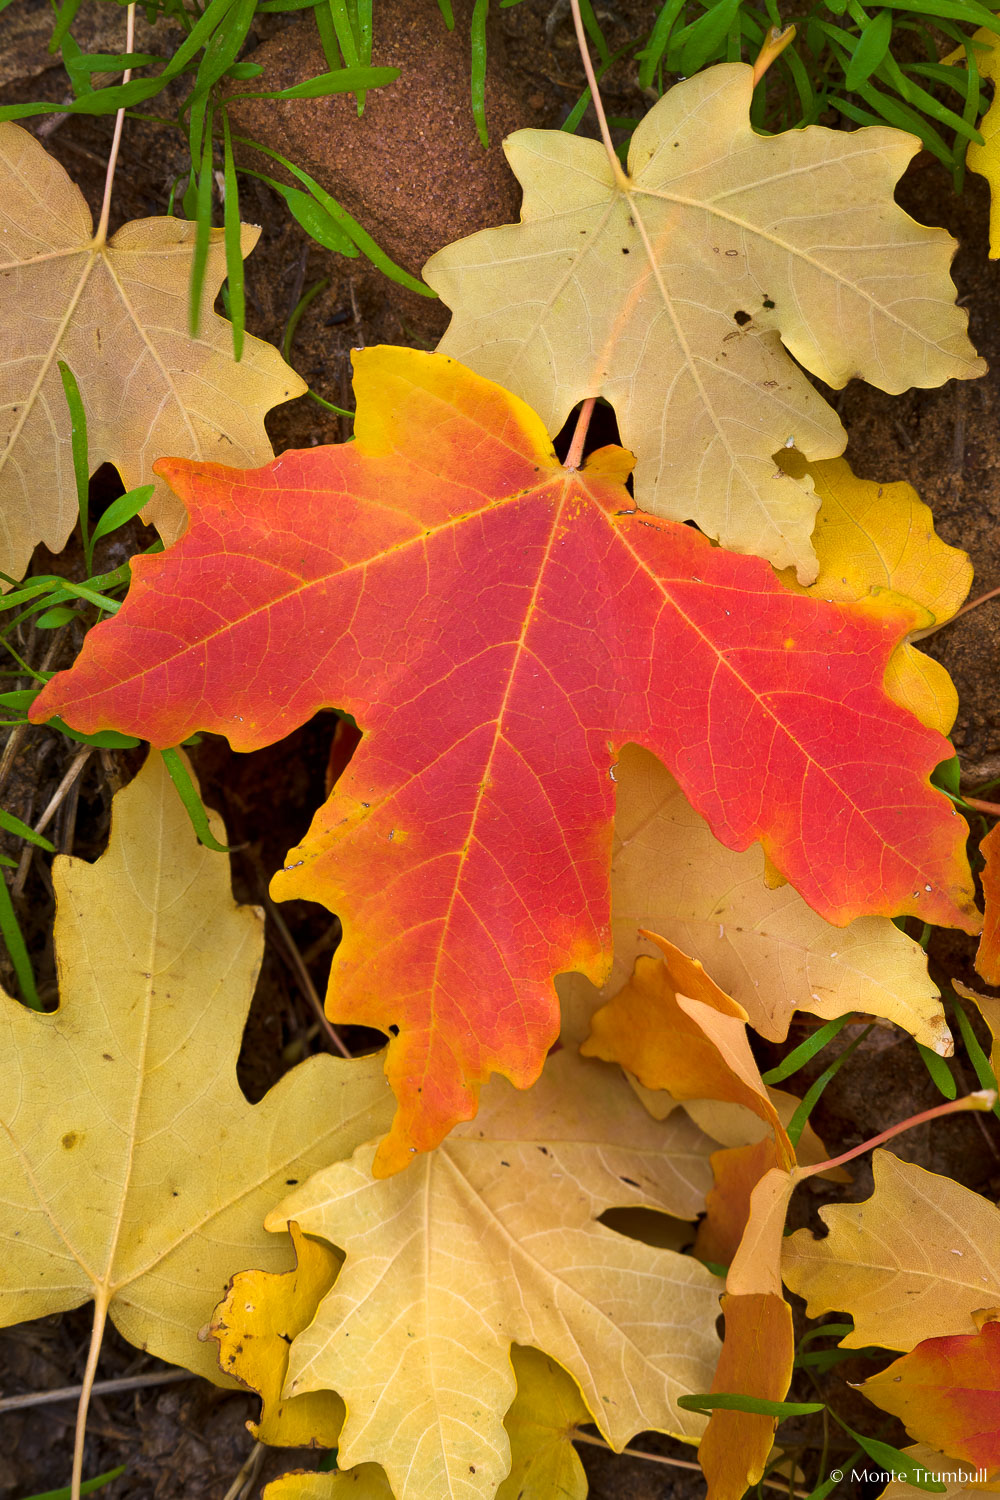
(198, 37)
(726, 1401)
(203, 233)
(894, 76)
(217, 59)
(888, 1457)
(873, 44)
(592, 27)
(341, 81)
(317, 222)
(56, 618)
(659, 38)
(707, 36)
(81, 463)
(327, 36)
(101, 102)
(65, 16)
(977, 1057)
(800, 1118)
(576, 114)
(899, 114)
(341, 411)
(345, 32)
(105, 739)
(939, 1070)
(955, 10)
(193, 804)
(798, 1058)
(365, 31)
(15, 826)
(17, 949)
(444, 6)
(296, 318)
(812, 104)
(87, 1487)
(234, 248)
(477, 38)
(351, 227)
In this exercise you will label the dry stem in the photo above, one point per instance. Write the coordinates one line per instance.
(595, 94)
(101, 233)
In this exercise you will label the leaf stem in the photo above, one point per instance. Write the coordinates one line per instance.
(775, 43)
(588, 67)
(921, 635)
(981, 1099)
(100, 1388)
(102, 227)
(102, 1299)
(992, 808)
(575, 455)
(576, 1436)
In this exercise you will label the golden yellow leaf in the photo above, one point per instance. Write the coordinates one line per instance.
(881, 536)
(676, 1030)
(989, 1009)
(988, 956)
(366, 1482)
(759, 1344)
(736, 1171)
(755, 1268)
(254, 1325)
(134, 1170)
(767, 949)
(117, 313)
(547, 1410)
(671, 289)
(914, 1261)
(732, 1125)
(493, 1239)
(984, 160)
(756, 1360)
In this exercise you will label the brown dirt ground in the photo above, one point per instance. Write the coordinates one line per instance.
(187, 1440)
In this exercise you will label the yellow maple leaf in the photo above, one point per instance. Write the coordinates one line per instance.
(135, 1172)
(254, 1325)
(914, 1261)
(116, 311)
(493, 1239)
(984, 160)
(541, 1425)
(766, 948)
(671, 287)
(872, 536)
(545, 1414)
(989, 1008)
(366, 1482)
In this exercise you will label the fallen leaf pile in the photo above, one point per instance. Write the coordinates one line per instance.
(619, 795)
(917, 1266)
(494, 1239)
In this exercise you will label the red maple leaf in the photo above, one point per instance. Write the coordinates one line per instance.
(500, 626)
(946, 1392)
